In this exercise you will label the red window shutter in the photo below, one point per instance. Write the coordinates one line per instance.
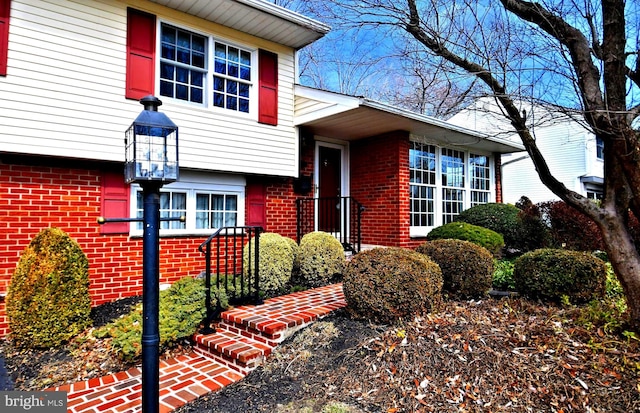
(5, 11)
(141, 50)
(268, 88)
(256, 199)
(114, 199)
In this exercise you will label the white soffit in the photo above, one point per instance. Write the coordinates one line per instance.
(352, 118)
(256, 17)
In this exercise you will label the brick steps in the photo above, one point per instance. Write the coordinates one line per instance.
(245, 337)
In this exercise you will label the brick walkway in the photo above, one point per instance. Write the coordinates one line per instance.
(246, 335)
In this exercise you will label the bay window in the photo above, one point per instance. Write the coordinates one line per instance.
(443, 182)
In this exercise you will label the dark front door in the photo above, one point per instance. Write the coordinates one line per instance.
(329, 184)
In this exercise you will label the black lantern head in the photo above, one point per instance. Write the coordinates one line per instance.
(151, 146)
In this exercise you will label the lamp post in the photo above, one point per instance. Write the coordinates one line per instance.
(151, 160)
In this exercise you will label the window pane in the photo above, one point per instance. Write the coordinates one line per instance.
(166, 89)
(245, 73)
(231, 203)
(218, 84)
(196, 95)
(234, 70)
(182, 92)
(220, 67)
(243, 105)
(198, 60)
(197, 79)
(218, 100)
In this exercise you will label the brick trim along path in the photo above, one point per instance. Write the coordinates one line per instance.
(245, 337)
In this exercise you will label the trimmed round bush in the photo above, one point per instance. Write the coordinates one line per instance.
(483, 237)
(277, 256)
(501, 218)
(467, 268)
(321, 259)
(48, 300)
(388, 284)
(549, 274)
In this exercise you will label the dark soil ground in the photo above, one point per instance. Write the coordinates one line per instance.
(508, 355)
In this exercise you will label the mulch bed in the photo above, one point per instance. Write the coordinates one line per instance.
(508, 355)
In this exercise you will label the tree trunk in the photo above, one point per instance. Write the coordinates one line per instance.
(626, 262)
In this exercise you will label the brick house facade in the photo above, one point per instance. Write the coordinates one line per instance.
(61, 150)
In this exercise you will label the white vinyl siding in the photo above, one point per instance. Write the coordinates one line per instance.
(64, 92)
(564, 147)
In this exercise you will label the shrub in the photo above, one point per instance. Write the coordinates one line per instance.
(276, 262)
(321, 258)
(501, 218)
(483, 237)
(386, 284)
(180, 312)
(569, 228)
(534, 232)
(550, 274)
(503, 275)
(467, 268)
(48, 300)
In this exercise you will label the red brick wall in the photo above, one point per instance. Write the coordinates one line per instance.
(36, 197)
(380, 181)
(498, 182)
(376, 178)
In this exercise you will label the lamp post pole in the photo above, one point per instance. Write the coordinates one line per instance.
(151, 297)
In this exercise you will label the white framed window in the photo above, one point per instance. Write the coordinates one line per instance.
(599, 148)
(422, 187)
(206, 206)
(443, 182)
(205, 70)
(480, 172)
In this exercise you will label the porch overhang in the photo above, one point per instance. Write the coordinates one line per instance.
(351, 118)
(256, 17)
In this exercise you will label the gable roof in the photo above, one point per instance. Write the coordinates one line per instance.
(256, 17)
(345, 117)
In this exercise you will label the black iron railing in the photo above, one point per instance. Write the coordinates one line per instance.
(232, 267)
(340, 216)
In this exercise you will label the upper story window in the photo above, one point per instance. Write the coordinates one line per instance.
(231, 78)
(184, 64)
(599, 148)
(442, 183)
(199, 68)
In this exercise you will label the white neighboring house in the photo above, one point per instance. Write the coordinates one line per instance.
(573, 153)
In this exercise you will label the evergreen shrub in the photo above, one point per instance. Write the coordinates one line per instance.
(321, 259)
(181, 310)
(277, 256)
(549, 274)
(483, 237)
(501, 218)
(387, 284)
(48, 300)
(467, 268)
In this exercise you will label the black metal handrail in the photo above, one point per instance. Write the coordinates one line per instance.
(340, 216)
(241, 285)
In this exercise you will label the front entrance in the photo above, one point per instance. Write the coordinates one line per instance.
(330, 188)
